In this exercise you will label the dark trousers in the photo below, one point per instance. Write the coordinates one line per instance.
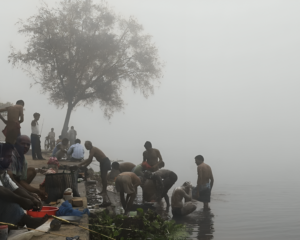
(36, 147)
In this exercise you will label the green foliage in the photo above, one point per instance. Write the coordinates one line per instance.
(82, 52)
(147, 225)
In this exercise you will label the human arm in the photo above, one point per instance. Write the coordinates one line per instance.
(187, 196)
(160, 159)
(144, 156)
(24, 185)
(12, 197)
(3, 120)
(159, 186)
(21, 115)
(211, 181)
(88, 161)
(3, 110)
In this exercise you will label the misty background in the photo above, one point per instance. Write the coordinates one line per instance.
(229, 91)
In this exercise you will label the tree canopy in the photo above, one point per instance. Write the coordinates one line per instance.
(81, 53)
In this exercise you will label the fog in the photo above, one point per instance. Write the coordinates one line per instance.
(229, 91)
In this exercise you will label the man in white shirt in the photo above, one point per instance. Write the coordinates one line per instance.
(13, 198)
(35, 138)
(76, 151)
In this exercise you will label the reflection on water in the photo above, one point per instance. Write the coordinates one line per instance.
(200, 224)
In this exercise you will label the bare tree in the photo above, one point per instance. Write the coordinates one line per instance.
(81, 53)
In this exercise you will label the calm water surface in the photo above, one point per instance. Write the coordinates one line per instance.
(267, 211)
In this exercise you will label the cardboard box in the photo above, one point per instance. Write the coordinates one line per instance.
(77, 202)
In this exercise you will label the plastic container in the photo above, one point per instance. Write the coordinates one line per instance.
(3, 232)
(43, 212)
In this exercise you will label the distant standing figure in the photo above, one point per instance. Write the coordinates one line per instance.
(104, 161)
(76, 151)
(51, 136)
(178, 208)
(35, 138)
(72, 135)
(127, 182)
(152, 159)
(15, 117)
(205, 182)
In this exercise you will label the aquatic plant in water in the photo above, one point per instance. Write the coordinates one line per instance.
(146, 225)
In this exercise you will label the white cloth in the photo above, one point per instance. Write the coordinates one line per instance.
(35, 129)
(77, 151)
(5, 181)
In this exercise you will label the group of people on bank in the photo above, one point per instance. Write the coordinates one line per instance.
(154, 181)
(16, 192)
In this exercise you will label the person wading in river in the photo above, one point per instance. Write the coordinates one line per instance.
(104, 161)
(205, 182)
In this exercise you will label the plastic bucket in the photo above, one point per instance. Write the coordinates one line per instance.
(43, 212)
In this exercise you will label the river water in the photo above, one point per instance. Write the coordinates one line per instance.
(267, 211)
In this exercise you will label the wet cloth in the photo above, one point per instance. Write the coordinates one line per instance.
(204, 193)
(66, 209)
(105, 165)
(10, 212)
(18, 166)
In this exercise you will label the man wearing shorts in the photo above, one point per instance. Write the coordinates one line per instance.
(127, 182)
(104, 161)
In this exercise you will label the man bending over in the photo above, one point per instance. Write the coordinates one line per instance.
(127, 182)
(13, 198)
(163, 180)
(178, 207)
(104, 161)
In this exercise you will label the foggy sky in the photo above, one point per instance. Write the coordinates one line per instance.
(229, 92)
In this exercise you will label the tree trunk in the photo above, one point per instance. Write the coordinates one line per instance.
(64, 132)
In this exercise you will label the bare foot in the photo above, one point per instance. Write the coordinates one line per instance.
(31, 222)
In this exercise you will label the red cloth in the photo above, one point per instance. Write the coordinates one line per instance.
(146, 166)
(53, 160)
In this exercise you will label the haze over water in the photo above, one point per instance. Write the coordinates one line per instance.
(230, 92)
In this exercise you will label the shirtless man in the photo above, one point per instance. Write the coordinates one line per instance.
(178, 208)
(205, 182)
(150, 158)
(104, 161)
(127, 182)
(118, 168)
(15, 116)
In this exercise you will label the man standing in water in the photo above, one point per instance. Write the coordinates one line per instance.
(15, 116)
(105, 164)
(151, 157)
(205, 182)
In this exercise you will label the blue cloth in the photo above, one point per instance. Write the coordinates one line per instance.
(55, 150)
(10, 212)
(204, 193)
(66, 209)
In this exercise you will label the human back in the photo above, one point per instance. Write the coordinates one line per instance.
(98, 154)
(14, 113)
(204, 173)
